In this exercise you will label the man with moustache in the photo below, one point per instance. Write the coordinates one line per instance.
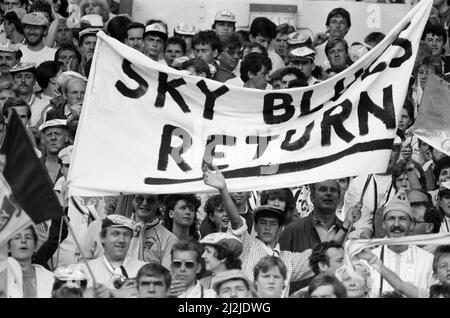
(9, 57)
(410, 262)
(24, 76)
(35, 29)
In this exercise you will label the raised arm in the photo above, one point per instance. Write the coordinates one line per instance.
(215, 179)
(353, 215)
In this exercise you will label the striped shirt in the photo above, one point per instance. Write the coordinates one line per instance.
(254, 249)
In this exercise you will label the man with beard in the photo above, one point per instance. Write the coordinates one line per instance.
(35, 29)
(54, 138)
(24, 76)
(410, 262)
(9, 57)
(86, 43)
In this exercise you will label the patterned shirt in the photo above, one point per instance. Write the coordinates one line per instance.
(254, 249)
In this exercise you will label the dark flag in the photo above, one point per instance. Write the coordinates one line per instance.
(25, 185)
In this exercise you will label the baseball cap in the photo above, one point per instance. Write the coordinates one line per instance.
(61, 123)
(23, 66)
(224, 276)
(269, 209)
(116, 220)
(300, 37)
(225, 240)
(157, 28)
(357, 50)
(225, 15)
(303, 53)
(66, 155)
(398, 205)
(34, 18)
(92, 31)
(184, 29)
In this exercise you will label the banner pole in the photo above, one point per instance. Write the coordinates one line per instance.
(81, 252)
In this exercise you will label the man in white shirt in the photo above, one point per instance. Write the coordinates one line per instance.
(35, 27)
(186, 264)
(410, 262)
(114, 268)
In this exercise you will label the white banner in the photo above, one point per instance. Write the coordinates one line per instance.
(148, 128)
(432, 122)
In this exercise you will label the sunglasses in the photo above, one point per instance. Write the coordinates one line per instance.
(140, 200)
(187, 264)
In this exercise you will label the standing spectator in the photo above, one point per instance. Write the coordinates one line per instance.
(114, 265)
(232, 284)
(24, 75)
(326, 286)
(54, 138)
(263, 31)
(186, 264)
(135, 36)
(337, 53)
(86, 43)
(255, 69)
(224, 23)
(6, 91)
(269, 276)
(280, 43)
(186, 32)
(216, 219)
(35, 25)
(14, 29)
(303, 59)
(154, 37)
(64, 34)
(222, 252)
(268, 222)
(180, 215)
(444, 206)
(411, 263)
(8, 58)
(69, 56)
(435, 38)
(228, 59)
(7, 5)
(174, 48)
(338, 24)
(207, 46)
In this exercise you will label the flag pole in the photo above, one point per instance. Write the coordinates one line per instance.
(81, 251)
(59, 243)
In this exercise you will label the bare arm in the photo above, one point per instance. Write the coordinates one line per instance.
(353, 215)
(215, 179)
(407, 289)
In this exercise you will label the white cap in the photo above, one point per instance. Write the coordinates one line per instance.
(225, 15)
(157, 28)
(303, 52)
(62, 123)
(95, 20)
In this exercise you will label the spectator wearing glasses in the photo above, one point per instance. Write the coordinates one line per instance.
(185, 265)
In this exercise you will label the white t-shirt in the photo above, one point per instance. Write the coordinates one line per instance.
(46, 54)
(277, 61)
